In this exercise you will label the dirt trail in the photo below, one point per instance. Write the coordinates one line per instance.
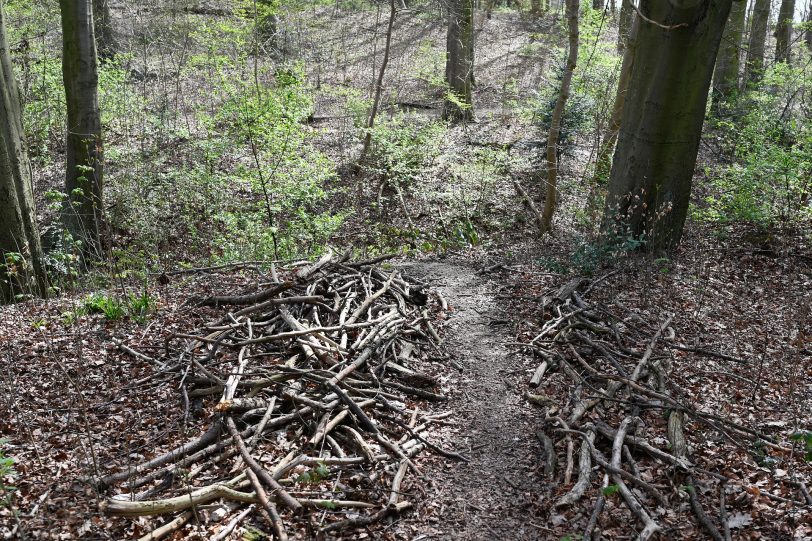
(493, 496)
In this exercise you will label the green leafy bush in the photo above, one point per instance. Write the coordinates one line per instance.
(99, 303)
(7, 472)
(766, 173)
(402, 148)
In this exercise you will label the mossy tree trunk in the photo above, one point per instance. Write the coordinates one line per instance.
(106, 42)
(624, 24)
(808, 29)
(459, 68)
(783, 31)
(726, 75)
(22, 270)
(551, 197)
(535, 7)
(650, 183)
(758, 39)
(603, 162)
(83, 211)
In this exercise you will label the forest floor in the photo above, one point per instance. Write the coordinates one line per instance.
(75, 406)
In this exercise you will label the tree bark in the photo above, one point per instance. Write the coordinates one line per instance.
(376, 101)
(603, 163)
(597, 4)
(783, 31)
(758, 39)
(808, 30)
(83, 211)
(555, 122)
(106, 42)
(624, 24)
(652, 171)
(22, 268)
(726, 75)
(535, 7)
(459, 68)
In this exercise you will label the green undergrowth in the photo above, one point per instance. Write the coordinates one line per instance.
(763, 164)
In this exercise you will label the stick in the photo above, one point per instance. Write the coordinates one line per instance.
(167, 528)
(272, 515)
(201, 496)
(584, 473)
(260, 472)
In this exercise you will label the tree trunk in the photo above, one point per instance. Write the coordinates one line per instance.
(808, 30)
(376, 101)
(558, 113)
(83, 211)
(535, 7)
(603, 163)
(624, 24)
(652, 171)
(726, 75)
(22, 269)
(597, 4)
(783, 31)
(459, 68)
(758, 39)
(103, 26)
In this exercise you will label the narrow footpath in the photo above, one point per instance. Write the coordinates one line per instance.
(493, 496)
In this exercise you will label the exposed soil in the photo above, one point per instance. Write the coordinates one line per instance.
(489, 497)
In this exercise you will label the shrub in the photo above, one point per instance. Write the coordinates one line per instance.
(765, 176)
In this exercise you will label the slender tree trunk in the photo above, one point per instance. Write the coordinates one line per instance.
(783, 31)
(758, 38)
(555, 123)
(106, 42)
(652, 171)
(726, 75)
(83, 212)
(808, 29)
(459, 68)
(535, 7)
(22, 269)
(597, 4)
(624, 23)
(376, 101)
(603, 163)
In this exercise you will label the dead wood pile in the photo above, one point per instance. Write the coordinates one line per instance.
(320, 378)
(625, 430)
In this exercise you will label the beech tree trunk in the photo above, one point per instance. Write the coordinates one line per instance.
(106, 42)
(726, 75)
(22, 269)
(459, 68)
(83, 211)
(808, 30)
(535, 7)
(603, 163)
(624, 24)
(558, 113)
(650, 183)
(783, 31)
(758, 39)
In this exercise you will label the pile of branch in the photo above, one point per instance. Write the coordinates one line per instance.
(621, 403)
(320, 400)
